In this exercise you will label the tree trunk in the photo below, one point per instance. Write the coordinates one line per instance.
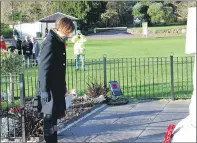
(12, 87)
(0, 120)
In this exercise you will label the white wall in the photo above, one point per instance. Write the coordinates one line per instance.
(28, 29)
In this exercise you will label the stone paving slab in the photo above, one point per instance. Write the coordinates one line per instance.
(151, 135)
(144, 121)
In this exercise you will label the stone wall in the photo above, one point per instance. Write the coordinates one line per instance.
(158, 31)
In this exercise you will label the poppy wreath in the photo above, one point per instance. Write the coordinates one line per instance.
(168, 134)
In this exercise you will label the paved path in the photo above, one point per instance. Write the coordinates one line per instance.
(144, 121)
(124, 35)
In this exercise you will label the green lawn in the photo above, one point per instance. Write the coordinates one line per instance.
(127, 62)
(136, 47)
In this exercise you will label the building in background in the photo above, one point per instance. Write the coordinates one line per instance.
(37, 29)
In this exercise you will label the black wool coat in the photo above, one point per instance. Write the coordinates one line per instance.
(52, 72)
(27, 47)
(19, 46)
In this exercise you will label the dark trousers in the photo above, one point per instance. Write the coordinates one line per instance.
(50, 136)
(28, 57)
(35, 61)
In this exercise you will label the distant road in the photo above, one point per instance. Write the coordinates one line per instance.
(123, 34)
(110, 35)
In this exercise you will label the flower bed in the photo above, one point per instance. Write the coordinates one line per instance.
(33, 122)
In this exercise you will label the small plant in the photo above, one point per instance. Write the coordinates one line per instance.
(96, 88)
(12, 116)
(11, 63)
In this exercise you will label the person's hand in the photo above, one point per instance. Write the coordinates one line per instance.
(47, 104)
(44, 97)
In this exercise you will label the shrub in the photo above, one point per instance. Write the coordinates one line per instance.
(168, 15)
(6, 31)
(11, 62)
(96, 88)
(156, 13)
(6, 105)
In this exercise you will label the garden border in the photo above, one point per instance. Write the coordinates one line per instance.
(81, 117)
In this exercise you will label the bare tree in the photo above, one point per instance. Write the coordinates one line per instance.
(26, 11)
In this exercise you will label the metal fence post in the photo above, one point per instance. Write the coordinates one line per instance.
(105, 71)
(22, 106)
(172, 77)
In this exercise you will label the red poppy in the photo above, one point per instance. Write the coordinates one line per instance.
(11, 109)
(168, 133)
(18, 108)
(114, 86)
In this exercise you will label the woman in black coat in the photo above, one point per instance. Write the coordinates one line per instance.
(27, 47)
(18, 45)
(51, 78)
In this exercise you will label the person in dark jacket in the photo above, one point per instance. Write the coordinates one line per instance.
(27, 47)
(18, 44)
(46, 32)
(51, 77)
(36, 50)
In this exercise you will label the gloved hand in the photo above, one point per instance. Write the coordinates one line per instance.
(47, 104)
(44, 97)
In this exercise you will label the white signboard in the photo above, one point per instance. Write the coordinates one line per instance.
(145, 28)
(191, 31)
(145, 25)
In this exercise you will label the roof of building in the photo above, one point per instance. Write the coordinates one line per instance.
(55, 16)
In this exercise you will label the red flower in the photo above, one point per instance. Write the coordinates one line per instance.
(168, 133)
(11, 109)
(18, 108)
(114, 86)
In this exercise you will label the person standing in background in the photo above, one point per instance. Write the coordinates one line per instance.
(2, 43)
(46, 32)
(27, 47)
(36, 50)
(15, 33)
(18, 44)
(79, 49)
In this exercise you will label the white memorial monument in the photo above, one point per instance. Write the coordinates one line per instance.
(145, 29)
(185, 130)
